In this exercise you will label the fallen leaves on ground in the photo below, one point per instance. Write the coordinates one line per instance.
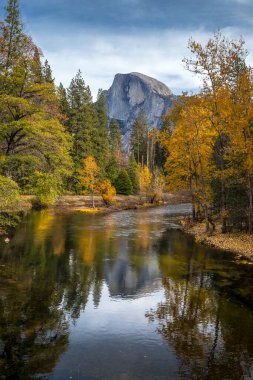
(240, 243)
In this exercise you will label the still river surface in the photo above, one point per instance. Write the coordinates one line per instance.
(121, 296)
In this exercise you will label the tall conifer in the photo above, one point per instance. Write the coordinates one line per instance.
(102, 139)
(139, 138)
(115, 136)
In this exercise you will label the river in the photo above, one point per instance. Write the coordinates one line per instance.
(121, 296)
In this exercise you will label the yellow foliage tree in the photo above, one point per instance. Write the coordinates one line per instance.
(219, 64)
(189, 150)
(107, 191)
(145, 179)
(209, 137)
(240, 153)
(90, 176)
(158, 186)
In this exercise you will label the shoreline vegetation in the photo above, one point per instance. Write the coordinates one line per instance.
(240, 243)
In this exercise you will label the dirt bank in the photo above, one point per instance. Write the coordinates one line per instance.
(239, 243)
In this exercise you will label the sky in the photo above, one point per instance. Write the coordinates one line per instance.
(106, 37)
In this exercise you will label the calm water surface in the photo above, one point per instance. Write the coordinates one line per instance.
(121, 296)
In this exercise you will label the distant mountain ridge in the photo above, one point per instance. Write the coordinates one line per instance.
(133, 93)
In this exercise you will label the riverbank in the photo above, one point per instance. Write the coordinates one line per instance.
(239, 243)
(83, 203)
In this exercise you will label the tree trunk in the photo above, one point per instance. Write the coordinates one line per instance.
(211, 231)
(148, 151)
(223, 201)
(93, 202)
(250, 213)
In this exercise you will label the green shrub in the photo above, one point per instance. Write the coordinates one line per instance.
(46, 188)
(10, 199)
(10, 203)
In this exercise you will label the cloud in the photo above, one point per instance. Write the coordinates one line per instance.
(100, 56)
(119, 36)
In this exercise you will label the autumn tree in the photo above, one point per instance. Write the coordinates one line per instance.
(190, 150)
(158, 186)
(240, 153)
(108, 192)
(219, 64)
(145, 180)
(89, 176)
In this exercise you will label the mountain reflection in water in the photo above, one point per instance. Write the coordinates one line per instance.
(121, 296)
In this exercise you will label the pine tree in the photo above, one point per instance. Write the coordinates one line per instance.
(63, 103)
(47, 73)
(37, 66)
(139, 138)
(102, 110)
(133, 174)
(115, 137)
(82, 119)
(102, 139)
(112, 170)
(12, 37)
(123, 183)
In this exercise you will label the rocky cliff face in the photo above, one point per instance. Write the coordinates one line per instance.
(132, 93)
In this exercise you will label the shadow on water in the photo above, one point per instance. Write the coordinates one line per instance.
(121, 287)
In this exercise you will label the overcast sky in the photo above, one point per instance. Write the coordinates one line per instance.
(105, 37)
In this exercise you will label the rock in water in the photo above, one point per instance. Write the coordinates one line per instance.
(133, 93)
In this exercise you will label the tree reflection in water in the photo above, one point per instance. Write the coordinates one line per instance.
(199, 322)
(46, 276)
(56, 264)
(43, 286)
(34, 329)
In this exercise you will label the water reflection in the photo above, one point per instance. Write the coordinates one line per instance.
(211, 335)
(61, 273)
